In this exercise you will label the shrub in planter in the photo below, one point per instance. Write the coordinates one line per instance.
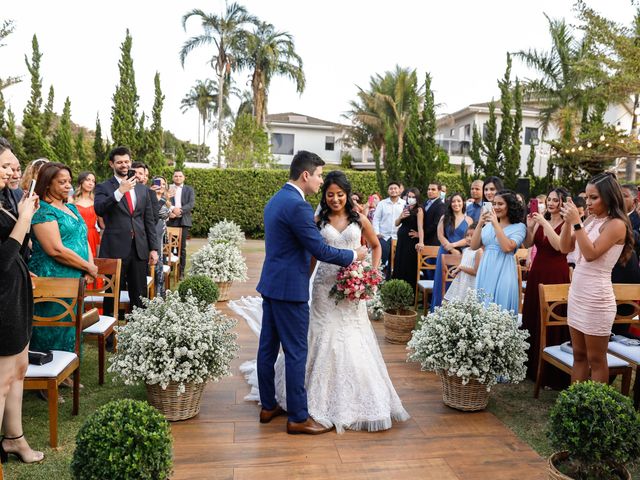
(124, 439)
(598, 427)
(396, 296)
(226, 232)
(199, 286)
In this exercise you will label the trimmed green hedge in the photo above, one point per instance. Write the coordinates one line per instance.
(241, 194)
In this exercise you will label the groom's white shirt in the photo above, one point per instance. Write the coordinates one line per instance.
(355, 254)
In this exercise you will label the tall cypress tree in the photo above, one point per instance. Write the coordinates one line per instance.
(49, 114)
(100, 164)
(10, 134)
(180, 157)
(80, 150)
(391, 160)
(155, 158)
(142, 140)
(430, 149)
(503, 144)
(62, 139)
(412, 159)
(490, 143)
(512, 160)
(124, 113)
(477, 147)
(34, 141)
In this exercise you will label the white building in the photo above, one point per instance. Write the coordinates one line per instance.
(290, 132)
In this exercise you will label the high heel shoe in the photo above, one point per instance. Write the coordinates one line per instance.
(4, 455)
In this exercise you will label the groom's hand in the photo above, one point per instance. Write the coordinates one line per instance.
(362, 252)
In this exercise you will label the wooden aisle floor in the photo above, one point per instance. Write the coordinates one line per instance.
(226, 441)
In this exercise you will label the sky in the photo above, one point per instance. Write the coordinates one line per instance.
(462, 43)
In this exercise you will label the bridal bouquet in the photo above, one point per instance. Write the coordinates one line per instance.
(358, 281)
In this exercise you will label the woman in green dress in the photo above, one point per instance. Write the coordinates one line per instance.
(60, 249)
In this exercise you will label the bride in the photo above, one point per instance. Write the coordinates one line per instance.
(347, 382)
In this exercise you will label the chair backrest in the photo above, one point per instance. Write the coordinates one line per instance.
(627, 294)
(174, 241)
(109, 271)
(521, 255)
(553, 308)
(68, 293)
(448, 262)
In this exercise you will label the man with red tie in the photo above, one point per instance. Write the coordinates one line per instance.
(129, 232)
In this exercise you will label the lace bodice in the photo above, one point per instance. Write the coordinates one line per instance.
(348, 238)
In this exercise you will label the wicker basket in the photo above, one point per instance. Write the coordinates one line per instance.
(398, 328)
(223, 291)
(555, 474)
(469, 398)
(173, 406)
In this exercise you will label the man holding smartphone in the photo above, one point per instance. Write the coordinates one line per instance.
(129, 232)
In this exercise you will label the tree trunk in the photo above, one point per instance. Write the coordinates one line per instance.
(220, 114)
(199, 143)
(631, 161)
(258, 97)
(204, 134)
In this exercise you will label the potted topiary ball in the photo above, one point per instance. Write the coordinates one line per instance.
(201, 287)
(399, 319)
(596, 430)
(124, 439)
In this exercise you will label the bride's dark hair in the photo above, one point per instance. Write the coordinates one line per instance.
(336, 177)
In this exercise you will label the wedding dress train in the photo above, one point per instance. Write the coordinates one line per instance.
(347, 382)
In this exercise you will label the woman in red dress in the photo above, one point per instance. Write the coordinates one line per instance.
(549, 267)
(83, 199)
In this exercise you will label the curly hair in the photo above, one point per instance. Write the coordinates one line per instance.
(449, 219)
(336, 177)
(515, 209)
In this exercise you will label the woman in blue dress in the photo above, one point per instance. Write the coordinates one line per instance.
(451, 229)
(501, 232)
(60, 249)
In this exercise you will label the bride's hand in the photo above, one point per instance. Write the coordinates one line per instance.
(362, 252)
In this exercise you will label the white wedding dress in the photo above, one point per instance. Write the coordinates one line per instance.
(347, 382)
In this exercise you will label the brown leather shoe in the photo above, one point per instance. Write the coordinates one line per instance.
(308, 427)
(267, 415)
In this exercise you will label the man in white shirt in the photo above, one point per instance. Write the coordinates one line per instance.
(183, 199)
(384, 222)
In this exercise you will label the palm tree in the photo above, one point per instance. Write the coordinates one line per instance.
(269, 52)
(226, 32)
(202, 97)
(562, 89)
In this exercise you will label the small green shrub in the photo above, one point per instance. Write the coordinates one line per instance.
(599, 428)
(396, 295)
(201, 287)
(123, 440)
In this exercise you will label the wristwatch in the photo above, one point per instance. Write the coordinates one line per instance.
(577, 226)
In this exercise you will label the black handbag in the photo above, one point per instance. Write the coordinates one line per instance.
(40, 358)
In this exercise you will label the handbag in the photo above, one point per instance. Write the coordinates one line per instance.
(40, 358)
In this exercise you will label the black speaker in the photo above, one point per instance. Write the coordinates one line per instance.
(523, 187)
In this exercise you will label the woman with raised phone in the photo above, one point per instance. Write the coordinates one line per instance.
(592, 303)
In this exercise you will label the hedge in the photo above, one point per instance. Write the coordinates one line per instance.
(241, 194)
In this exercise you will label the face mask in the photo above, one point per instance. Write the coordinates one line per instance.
(411, 201)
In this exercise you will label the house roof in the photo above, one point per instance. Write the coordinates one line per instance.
(448, 118)
(299, 119)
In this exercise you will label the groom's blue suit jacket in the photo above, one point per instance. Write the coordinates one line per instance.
(291, 237)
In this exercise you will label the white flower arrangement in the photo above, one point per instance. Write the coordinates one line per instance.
(374, 307)
(174, 340)
(226, 231)
(471, 340)
(221, 262)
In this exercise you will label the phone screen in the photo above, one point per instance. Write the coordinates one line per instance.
(157, 182)
(32, 187)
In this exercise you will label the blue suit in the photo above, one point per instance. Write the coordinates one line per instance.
(291, 237)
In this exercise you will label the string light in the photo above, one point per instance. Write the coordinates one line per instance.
(602, 138)
(580, 148)
(588, 144)
(573, 149)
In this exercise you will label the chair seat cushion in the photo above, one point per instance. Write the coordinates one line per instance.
(567, 358)
(166, 268)
(519, 320)
(425, 284)
(93, 299)
(524, 284)
(61, 360)
(174, 259)
(101, 326)
(149, 280)
(632, 353)
(124, 297)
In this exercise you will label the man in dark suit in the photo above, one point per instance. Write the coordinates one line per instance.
(129, 232)
(433, 211)
(183, 200)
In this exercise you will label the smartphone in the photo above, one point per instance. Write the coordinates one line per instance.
(131, 174)
(487, 206)
(157, 182)
(32, 187)
(533, 206)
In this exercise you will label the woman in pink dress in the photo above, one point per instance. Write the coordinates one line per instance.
(592, 304)
(83, 199)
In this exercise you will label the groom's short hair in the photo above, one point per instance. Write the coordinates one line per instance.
(304, 161)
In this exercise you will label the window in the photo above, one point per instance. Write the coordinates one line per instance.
(530, 133)
(329, 143)
(484, 131)
(282, 143)
(467, 131)
(452, 133)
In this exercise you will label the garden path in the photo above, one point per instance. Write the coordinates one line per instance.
(225, 441)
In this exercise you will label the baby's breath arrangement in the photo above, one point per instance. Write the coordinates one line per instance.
(174, 340)
(221, 262)
(471, 340)
(226, 231)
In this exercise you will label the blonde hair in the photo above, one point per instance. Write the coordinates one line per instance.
(31, 172)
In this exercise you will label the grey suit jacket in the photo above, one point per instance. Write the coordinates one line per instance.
(188, 201)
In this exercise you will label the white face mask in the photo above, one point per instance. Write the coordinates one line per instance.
(411, 201)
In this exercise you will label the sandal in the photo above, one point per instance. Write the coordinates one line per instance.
(4, 455)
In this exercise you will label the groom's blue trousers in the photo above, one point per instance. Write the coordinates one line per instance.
(286, 323)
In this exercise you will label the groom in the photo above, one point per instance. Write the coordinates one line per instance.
(291, 237)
